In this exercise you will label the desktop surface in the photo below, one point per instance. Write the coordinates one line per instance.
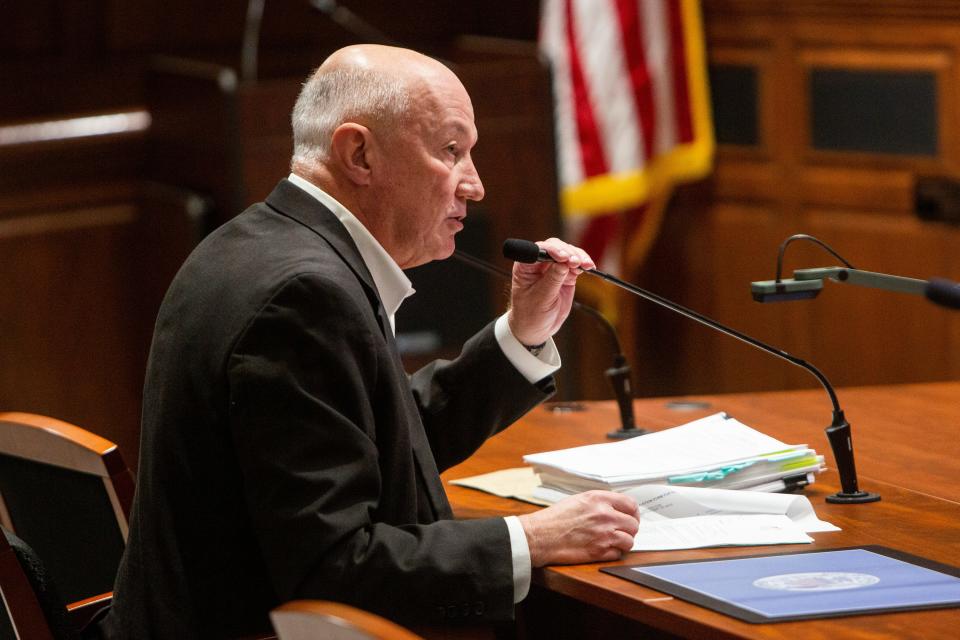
(907, 449)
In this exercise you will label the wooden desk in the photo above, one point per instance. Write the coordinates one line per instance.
(907, 446)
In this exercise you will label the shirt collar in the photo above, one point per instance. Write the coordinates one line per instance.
(392, 284)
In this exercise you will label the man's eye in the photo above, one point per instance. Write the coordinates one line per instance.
(452, 149)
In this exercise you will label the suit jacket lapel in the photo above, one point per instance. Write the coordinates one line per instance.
(291, 201)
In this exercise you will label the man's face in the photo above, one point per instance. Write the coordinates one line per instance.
(428, 175)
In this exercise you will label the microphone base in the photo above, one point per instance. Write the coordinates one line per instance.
(858, 497)
(625, 434)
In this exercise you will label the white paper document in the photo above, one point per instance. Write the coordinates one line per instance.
(687, 518)
(717, 531)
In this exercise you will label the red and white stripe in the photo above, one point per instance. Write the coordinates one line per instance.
(621, 98)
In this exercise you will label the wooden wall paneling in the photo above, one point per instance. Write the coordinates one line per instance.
(178, 25)
(65, 319)
(881, 190)
(939, 63)
(663, 342)
(669, 347)
(721, 235)
(757, 54)
(52, 169)
(78, 300)
(194, 136)
(875, 330)
(748, 173)
(922, 45)
(265, 134)
(218, 136)
(171, 222)
(725, 233)
(850, 10)
(198, 28)
(67, 209)
(746, 239)
(711, 257)
(868, 336)
(42, 87)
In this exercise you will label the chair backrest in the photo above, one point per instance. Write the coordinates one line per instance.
(313, 619)
(32, 607)
(68, 492)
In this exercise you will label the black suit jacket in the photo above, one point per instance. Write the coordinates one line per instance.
(286, 454)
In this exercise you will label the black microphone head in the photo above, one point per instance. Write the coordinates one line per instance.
(520, 250)
(944, 292)
(785, 290)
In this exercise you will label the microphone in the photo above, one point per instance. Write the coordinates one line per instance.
(524, 251)
(807, 283)
(943, 292)
(618, 374)
(785, 290)
(797, 288)
(838, 433)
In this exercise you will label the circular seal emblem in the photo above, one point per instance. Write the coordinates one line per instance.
(816, 581)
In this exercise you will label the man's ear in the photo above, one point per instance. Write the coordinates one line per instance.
(350, 147)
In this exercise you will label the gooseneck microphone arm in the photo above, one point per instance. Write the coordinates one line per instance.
(618, 374)
(838, 433)
(807, 283)
(250, 46)
(803, 236)
(352, 22)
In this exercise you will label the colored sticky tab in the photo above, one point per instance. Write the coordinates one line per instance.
(709, 476)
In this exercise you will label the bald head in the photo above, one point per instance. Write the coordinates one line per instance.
(388, 133)
(394, 61)
(372, 85)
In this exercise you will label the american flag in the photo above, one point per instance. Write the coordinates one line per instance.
(632, 116)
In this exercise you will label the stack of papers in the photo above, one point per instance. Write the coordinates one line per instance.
(716, 452)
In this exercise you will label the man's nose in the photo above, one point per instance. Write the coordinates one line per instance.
(470, 186)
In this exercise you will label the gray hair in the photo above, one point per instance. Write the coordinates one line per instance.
(330, 98)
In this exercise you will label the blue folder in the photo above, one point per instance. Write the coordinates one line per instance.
(805, 585)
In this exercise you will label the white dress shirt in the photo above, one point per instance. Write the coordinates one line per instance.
(394, 287)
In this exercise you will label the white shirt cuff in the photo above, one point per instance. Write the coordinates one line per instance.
(533, 368)
(521, 558)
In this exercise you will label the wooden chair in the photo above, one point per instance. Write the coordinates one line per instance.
(32, 608)
(22, 616)
(315, 619)
(68, 493)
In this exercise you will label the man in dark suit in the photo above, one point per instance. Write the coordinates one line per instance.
(285, 453)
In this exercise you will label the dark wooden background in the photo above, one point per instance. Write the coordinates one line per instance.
(92, 229)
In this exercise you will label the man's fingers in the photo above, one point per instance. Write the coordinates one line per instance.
(562, 252)
(619, 501)
(610, 555)
(627, 523)
(623, 503)
(623, 541)
(619, 544)
(559, 273)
